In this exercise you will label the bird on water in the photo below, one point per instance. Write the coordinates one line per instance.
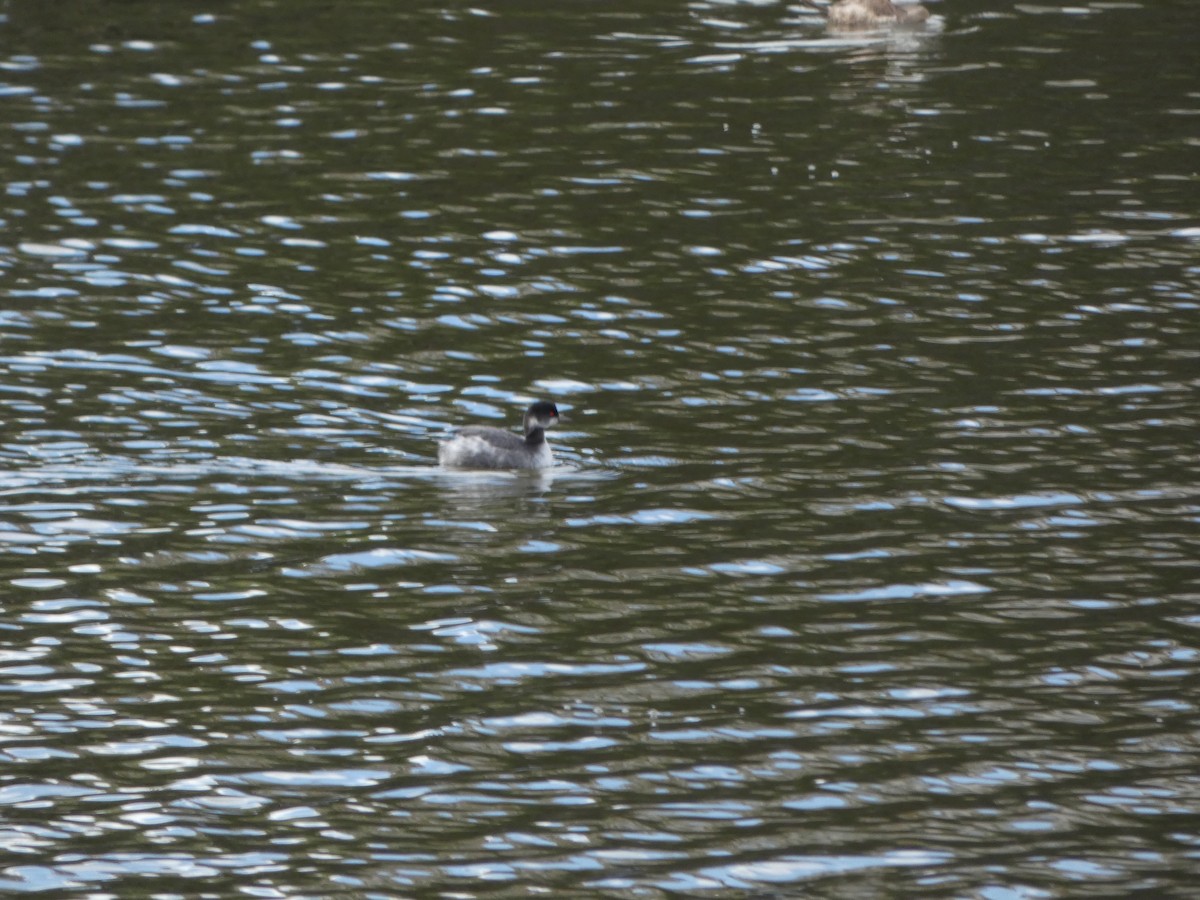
(870, 13)
(483, 447)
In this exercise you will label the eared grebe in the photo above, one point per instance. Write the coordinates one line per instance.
(870, 13)
(494, 448)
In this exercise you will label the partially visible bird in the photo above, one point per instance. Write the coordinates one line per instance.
(869, 13)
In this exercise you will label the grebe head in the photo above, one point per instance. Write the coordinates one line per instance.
(542, 414)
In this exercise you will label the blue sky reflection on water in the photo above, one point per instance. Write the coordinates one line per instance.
(867, 567)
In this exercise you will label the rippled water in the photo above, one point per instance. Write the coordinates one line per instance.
(869, 568)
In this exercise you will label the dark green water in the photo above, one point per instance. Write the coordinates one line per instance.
(870, 565)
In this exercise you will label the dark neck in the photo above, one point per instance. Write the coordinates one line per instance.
(535, 436)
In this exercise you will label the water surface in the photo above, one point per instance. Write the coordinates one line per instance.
(869, 565)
